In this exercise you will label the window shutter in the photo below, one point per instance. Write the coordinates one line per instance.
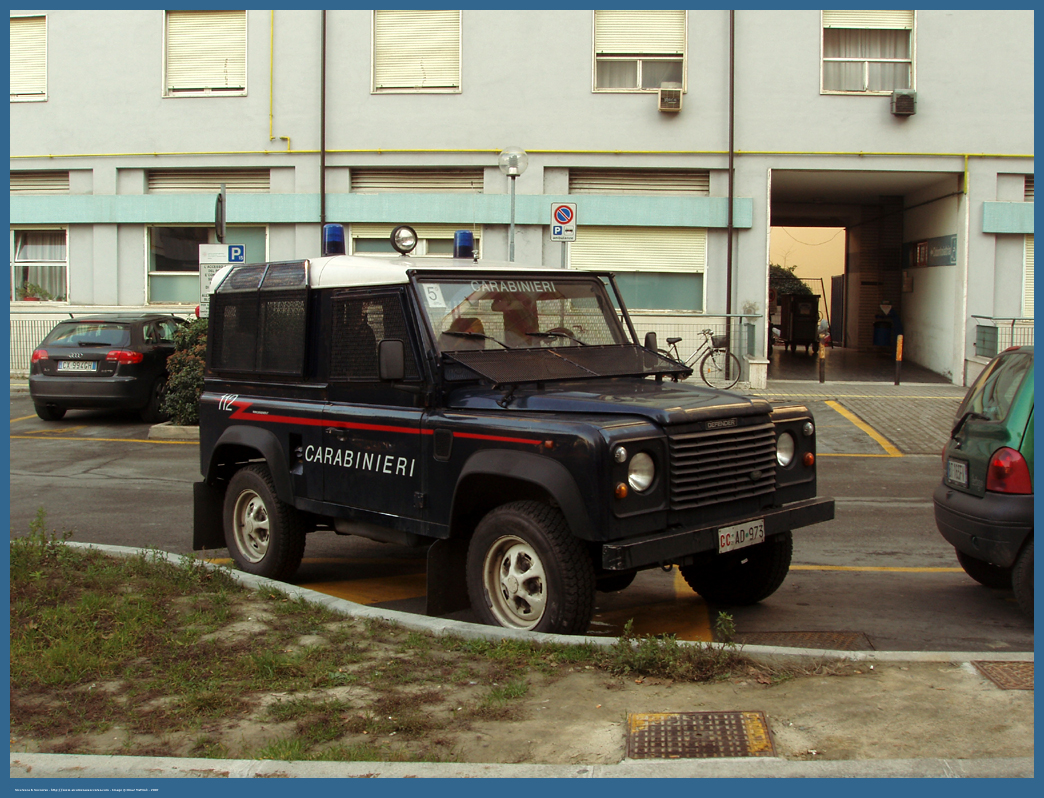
(206, 50)
(382, 230)
(208, 181)
(39, 182)
(29, 56)
(648, 249)
(416, 50)
(1027, 294)
(639, 32)
(639, 181)
(416, 181)
(890, 20)
(1027, 194)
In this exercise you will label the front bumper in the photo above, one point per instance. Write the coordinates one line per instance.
(85, 392)
(992, 527)
(677, 545)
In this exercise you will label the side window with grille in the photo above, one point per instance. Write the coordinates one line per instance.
(360, 322)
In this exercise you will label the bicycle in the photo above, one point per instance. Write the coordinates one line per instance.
(719, 368)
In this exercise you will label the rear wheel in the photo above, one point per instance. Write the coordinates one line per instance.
(264, 535)
(742, 577)
(49, 412)
(983, 572)
(1022, 579)
(151, 413)
(526, 571)
(720, 368)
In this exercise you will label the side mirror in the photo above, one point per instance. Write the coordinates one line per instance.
(391, 360)
(650, 341)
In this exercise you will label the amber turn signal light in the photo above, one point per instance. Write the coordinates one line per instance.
(621, 490)
(809, 459)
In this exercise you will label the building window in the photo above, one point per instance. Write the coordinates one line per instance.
(657, 268)
(1027, 191)
(173, 268)
(39, 265)
(867, 52)
(208, 181)
(40, 182)
(638, 50)
(205, 53)
(639, 181)
(1027, 279)
(467, 180)
(28, 58)
(435, 240)
(416, 51)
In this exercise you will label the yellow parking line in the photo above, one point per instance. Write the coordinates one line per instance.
(23, 418)
(55, 430)
(885, 444)
(876, 568)
(109, 440)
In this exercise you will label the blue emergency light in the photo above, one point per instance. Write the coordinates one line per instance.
(463, 244)
(333, 239)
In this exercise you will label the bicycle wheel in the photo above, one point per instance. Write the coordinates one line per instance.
(720, 369)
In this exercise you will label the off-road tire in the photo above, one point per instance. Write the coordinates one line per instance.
(1022, 579)
(265, 536)
(151, 413)
(985, 573)
(746, 576)
(49, 412)
(525, 570)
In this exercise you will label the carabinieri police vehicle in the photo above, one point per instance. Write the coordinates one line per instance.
(505, 417)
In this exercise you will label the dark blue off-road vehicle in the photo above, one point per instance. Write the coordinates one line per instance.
(505, 417)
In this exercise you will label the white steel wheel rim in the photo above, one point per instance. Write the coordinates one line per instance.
(514, 579)
(250, 526)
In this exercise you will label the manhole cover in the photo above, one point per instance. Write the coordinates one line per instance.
(698, 735)
(1008, 675)
(836, 641)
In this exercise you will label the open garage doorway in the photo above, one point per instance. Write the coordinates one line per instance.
(807, 261)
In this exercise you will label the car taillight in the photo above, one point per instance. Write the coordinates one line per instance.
(125, 356)
(1008, 473)
(39, 354)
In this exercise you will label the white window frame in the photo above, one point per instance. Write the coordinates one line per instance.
(211, 239)
(32, 96)
(17, 264)
(412, 18)
(637, 56)
(868, 20)
(169, 91)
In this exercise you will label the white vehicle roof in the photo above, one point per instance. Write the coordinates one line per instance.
(360, 271)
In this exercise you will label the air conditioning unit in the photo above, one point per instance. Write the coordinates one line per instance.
(670, 97)
(904, 102)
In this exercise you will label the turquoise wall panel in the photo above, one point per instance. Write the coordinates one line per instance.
(1007, 217)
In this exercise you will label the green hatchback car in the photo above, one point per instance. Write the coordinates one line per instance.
(984, 505)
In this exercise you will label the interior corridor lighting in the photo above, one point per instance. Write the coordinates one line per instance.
(512, 162)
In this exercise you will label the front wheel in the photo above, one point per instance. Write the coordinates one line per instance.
(983, 572)
(525, 570)
(720, 369)
(1022, 579)
(747, 576)
(264, 535)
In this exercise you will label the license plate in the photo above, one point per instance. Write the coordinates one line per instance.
(957, 472)
(739, 536)
(77, 365)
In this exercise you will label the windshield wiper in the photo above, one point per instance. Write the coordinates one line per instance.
(960, 423)
(463, 334)
(567, 336)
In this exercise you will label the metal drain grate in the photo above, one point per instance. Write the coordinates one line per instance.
(698, 735)
(1008, 675)
(836, 641)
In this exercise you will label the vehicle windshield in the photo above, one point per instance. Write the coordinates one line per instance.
(88, 334)
(995, 390)
(519, 312)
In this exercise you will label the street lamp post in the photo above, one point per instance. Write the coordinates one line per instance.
(512, 162)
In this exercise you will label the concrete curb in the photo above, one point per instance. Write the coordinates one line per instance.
(172, 432)
(43, 766)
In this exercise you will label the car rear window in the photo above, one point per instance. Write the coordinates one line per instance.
(996, 388)
(89, 334)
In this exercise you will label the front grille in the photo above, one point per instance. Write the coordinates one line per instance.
(716, 466)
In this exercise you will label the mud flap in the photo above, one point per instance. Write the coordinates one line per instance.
(208, 531)
(447, 577)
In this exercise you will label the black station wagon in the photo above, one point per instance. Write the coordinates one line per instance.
(114, 361)
(505, 417)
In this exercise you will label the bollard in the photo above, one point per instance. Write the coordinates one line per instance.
(898, 356)
(822, 358)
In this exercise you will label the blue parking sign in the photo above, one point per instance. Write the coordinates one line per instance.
(236, 253)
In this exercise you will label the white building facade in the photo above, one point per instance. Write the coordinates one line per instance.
(913, 130)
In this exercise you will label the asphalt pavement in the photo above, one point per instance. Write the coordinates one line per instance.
(907, 419)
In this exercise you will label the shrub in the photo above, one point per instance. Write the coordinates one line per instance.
(185, 367)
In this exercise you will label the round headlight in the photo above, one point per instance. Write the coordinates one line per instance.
(404, 239)
(785, 448)
(640, 472)
(620, 455)
(808, 429)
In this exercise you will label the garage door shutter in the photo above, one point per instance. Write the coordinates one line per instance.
(629, 249)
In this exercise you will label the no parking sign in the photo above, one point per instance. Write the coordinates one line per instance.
(563, 221)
